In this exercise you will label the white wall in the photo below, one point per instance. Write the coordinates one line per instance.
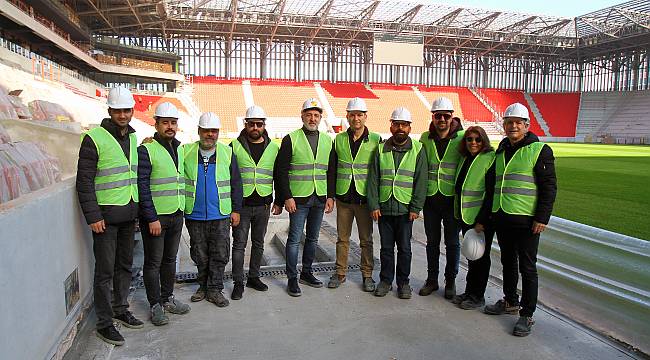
(44, 238)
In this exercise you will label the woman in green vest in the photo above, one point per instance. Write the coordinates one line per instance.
(472, 206)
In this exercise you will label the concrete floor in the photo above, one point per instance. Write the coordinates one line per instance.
(344, 323)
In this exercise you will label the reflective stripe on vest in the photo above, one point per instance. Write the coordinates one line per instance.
(397, 183)
(442, 173)
(307, 174)
(222, 176)
(258, 177)
(167, 181)
(515, 191)
(473, 189)
(116, 180)
(348, 168)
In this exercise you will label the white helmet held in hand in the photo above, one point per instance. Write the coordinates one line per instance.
(442, 104)
(209, 121)
(166, 110)
(120, 98)
(473, 246)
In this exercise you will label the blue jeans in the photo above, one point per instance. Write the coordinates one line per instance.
(441, 209)
(312, 213)
(395, 231)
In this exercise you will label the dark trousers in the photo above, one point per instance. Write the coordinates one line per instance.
(160, 257)
(210, 250)
(439, 209)
(519, 253)
(395, 231)
(478, 271)
(254, 219)
(311, 214)
(113, 250)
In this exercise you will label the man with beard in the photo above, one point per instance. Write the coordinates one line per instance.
(524, 194)
(161, 185)
(305, 184)
(353, 152)
(397, 185)
(256, 155)
(442, 144)
(108, 194)
(213, 200)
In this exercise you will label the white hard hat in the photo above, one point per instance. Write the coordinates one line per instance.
(517, 110)
(312, 103)
(401, 114)
(442, 104)
(357, 104)
(120, 98)
(209, 121)
(166, 110)
(255, 112)
(473, 246)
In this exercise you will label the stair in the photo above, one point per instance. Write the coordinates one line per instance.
(538, 114)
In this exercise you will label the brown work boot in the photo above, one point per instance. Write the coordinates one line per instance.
(335, 281)
(429, 287)
(199, 295)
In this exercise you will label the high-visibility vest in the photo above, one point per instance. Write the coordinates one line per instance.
(515, 191)
(349, 169)
(222, 176)
(167, 180)
(116, 181)
(256, 177)
(442, 172)
(307, 173)
(397, 183)
(473, 189)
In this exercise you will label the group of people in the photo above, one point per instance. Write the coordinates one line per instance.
(453, 176)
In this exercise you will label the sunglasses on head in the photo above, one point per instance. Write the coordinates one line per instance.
(439, 116)
(471, 139)
(259, 124)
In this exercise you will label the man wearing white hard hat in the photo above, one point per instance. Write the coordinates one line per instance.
(442, 144)
(524, 193)
(256, 154)
(353, 152)
(397, 186)
(213, 200)
(107, 174)
(161, 187)
(305, 184)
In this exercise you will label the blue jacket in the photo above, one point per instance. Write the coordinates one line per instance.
(206, 198)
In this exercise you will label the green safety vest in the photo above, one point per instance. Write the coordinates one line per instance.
(167, 181)
(442, 173)
(473, 189)
(307, 174)
(222, 176)
(256, 177)
(515, 191)
(116, 181)
(348, 168)
(398, 184)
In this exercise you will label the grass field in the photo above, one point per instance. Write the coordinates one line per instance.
(607, 186)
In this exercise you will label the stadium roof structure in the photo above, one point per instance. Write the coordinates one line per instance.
(448, 29)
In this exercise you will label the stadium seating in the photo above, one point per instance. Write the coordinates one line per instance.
(224, 99)
(560, 111)
(281, 100)
(616, 114)
(500, 99)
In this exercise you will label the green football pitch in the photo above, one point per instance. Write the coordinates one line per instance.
(604, 186)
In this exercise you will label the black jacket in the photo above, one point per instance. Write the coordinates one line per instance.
(147, 209)
(544, 172)
(86, 170)
(281, 174)
(254, 199)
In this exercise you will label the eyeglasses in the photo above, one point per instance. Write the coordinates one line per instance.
(477, 140)
(439, 116)
(252, 124)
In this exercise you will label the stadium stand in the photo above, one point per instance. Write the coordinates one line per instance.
(560, 111)
(614, 114)
(281, 99)
(500, 99)
(225, 99)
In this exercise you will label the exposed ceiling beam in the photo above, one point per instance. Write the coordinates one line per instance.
(135, 13)
(101, 14)
(443, 23)
(323, 12)
(278, 12)
(364, 18)
(406, 18)
(233, 14)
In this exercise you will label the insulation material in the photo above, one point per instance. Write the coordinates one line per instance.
(21, 109)
(45, 110)
(25, 167)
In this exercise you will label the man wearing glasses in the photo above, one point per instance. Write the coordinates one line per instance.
(441, 144)
(256, 155)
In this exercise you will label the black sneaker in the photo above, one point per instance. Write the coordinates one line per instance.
(256, 284)
(429, 287)
(472, 302)
(524, 326)
(237, 291)
(501, 307)
(127, 319)
(459, 298)
(383, 288)
(293, 289)
(310, 280)
(110, 335)
(450, 288)
(404, 291)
